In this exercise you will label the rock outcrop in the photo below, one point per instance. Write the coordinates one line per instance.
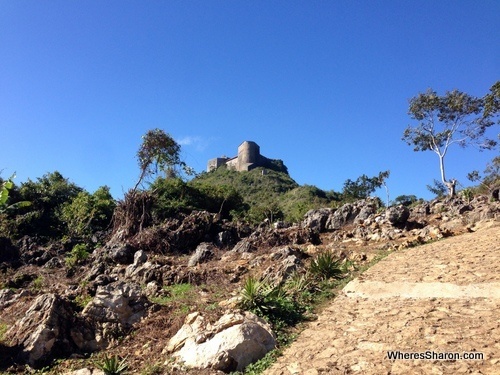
(231, 344)
(50, 330)
(114, 309)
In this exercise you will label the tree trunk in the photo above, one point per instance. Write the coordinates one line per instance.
(449, 184)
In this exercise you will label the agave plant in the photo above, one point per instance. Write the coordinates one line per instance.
(325, 266)
(112, 365)
(261, 296)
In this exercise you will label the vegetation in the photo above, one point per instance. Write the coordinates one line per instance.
(88, 213)
(272, 302)
(159, 152)
(438, 189)
(405, 200)
(286, 304)
(490, 182)
(364, 186)
(492, 102)
(112, 365)
(52, 208)
(455, 118)
(325, 267)
(267, 194)
(3, 329)
(78, 254)
(183, 295)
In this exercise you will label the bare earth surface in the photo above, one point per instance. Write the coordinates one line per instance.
(443, 297)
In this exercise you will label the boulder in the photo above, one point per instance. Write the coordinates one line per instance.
(365, 212)
(397, 215)
(231, 344)
(122, 253)
(224, 238)
(142, 271)
(316, 219)
(49, 330)
(203, 253)
(244, 246)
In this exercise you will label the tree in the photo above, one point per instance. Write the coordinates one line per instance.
(364, 186)
(405, 200)
(455, 118)
(158, 152)
(492, 101)
(7, 187)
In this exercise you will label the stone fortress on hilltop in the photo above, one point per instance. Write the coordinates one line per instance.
(248, 158)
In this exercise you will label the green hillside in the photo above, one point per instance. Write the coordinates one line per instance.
(268, 193)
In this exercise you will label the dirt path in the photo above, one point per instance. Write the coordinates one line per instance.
(442, 297)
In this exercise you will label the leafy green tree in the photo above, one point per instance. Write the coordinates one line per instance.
(9, 192)
(492, 101)
(438, 189)
(405, 200)
(158, 152)
(5, 186)
(455, 118)
(363, 186)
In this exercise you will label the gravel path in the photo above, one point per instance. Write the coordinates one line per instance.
(435, 300)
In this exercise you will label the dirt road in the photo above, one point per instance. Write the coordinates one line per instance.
(437, 301)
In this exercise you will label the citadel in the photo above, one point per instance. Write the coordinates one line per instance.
(248, 158)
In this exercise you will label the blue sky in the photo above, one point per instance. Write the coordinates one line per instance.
(322, 85)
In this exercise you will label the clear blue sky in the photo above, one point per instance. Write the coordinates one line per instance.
(322, 85)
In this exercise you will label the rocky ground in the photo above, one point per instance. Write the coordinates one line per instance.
(442, 297)
(123, 299)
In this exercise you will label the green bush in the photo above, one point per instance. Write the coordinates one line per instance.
(77, 255)
(42, 218)
(88, 213)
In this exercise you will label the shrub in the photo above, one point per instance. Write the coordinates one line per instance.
(41, 217)
(77, 255)
(37, 284)
(88, 213)
(467, 194)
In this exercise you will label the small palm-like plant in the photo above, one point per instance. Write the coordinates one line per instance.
(112, 365)
(261, 296)
(325, 266)
(270, 301)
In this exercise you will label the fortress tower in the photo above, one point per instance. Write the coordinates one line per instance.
(248, 155)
